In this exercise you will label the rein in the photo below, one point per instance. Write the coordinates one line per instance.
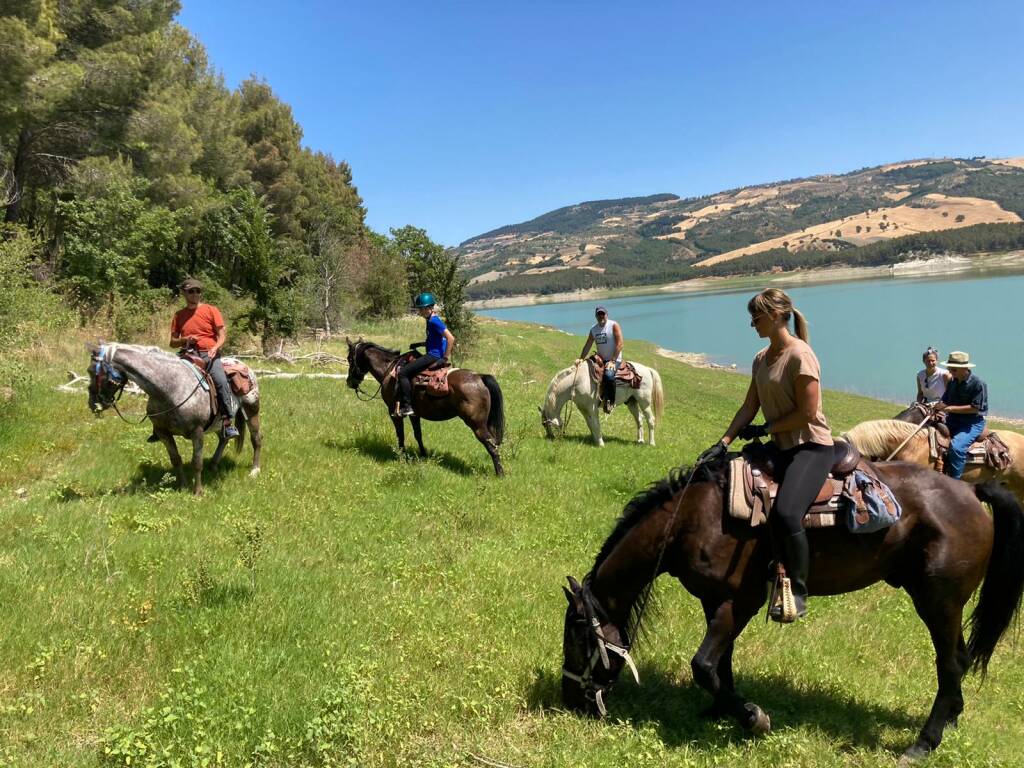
(924, 423)
(566, 414)
(120, 391)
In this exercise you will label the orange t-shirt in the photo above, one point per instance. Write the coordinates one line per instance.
(204, 322)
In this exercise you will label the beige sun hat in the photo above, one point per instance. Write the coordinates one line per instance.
(959, 360)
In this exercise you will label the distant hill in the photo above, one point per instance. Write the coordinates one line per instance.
(873, 215)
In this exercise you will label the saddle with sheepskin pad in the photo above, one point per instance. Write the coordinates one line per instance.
(626, 375)
(753, 487)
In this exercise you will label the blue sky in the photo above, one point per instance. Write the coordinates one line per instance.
(462, 116)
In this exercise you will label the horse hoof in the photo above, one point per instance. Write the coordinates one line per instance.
(913, 755)
(254, 472)
(758, 723)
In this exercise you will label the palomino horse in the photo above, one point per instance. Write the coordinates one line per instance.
(879, 438)
(944, 546)
(177, 405)
(474, 397)
(577, 385)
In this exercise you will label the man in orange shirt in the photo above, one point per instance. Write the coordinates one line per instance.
(200, 327)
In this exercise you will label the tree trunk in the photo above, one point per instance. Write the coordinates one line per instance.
(21, 162)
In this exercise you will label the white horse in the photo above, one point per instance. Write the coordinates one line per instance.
(577, 384)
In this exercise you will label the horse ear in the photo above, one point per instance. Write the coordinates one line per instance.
(541, 410)
(574, 601)
(574, 585)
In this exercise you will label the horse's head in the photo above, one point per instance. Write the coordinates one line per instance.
(356, 362)
(594, 651)
(552, 424)
(915, 413)
(105, 380)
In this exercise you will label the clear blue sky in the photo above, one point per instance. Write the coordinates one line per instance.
(462, 116)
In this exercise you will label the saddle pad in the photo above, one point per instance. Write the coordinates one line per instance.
(435, 382)
(198, 373)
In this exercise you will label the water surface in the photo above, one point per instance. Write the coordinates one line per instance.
(868, 335)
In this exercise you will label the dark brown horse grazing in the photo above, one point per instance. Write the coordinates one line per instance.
(944, 547)
(474, 397)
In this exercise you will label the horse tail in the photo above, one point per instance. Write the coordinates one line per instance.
(496, 416)
(659, 397)
(1000, 598)
(240, 426)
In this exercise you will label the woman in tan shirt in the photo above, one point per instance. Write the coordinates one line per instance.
(786, 386)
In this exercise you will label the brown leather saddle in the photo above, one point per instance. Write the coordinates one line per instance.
(434, 380)
(626, 373)
(753, 487)
(986, 450)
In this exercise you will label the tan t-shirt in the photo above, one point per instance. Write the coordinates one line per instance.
(776, 389)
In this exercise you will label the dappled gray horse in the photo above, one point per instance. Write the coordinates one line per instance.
(178, 404)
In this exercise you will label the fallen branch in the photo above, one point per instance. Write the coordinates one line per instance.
(263, 374)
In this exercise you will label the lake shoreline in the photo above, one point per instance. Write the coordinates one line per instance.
(935, 267)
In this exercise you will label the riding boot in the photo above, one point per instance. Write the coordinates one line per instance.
(797, 558)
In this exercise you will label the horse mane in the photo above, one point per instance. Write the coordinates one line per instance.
(879, 437)
(373, 345)
(645, 502)
(550, 399)
(147, 349)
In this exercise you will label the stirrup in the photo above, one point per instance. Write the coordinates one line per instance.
(782, 604)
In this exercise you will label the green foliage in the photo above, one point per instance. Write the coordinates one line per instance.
(112, 238)
(384, 289)
(432, 268)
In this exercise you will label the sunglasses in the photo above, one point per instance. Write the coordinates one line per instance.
(754, 319)
(193, 290)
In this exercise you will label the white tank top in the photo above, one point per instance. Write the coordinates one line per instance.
(604, 340)
(933, 387)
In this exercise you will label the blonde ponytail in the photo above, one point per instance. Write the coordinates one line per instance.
(774, 301)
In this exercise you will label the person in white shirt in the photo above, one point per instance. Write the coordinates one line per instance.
(932, 380)
(606, 335)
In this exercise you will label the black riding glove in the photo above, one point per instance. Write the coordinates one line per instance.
(712, 454)
(752, 431)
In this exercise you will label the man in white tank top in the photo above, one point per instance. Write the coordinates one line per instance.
(606, 336)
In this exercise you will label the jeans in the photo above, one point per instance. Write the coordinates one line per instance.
(964, 429)
(220, 381)
(608, 380)
(408, 371)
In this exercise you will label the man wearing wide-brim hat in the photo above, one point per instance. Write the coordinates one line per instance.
(965, 404)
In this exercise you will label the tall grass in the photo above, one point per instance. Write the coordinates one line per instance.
(352, 606)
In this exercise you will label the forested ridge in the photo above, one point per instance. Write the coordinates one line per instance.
(127, 164)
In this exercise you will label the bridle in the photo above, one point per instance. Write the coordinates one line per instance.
(599, 647)
(561, 421)
(355, 370)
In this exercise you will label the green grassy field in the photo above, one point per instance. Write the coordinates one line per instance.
(354, 607)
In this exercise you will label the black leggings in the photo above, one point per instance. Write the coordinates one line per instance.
(407, 371)
(806, 468)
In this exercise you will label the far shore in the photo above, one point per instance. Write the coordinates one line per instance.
(942, 265)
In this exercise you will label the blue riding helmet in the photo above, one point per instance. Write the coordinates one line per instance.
(424, 300)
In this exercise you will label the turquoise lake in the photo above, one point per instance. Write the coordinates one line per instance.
(869, 335)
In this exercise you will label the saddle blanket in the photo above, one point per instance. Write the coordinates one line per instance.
(855, 497)
(626, 375)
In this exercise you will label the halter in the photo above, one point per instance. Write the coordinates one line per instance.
(561, 421)
(593, 690)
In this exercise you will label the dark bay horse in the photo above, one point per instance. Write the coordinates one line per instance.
(944, 547)
(474, 397)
